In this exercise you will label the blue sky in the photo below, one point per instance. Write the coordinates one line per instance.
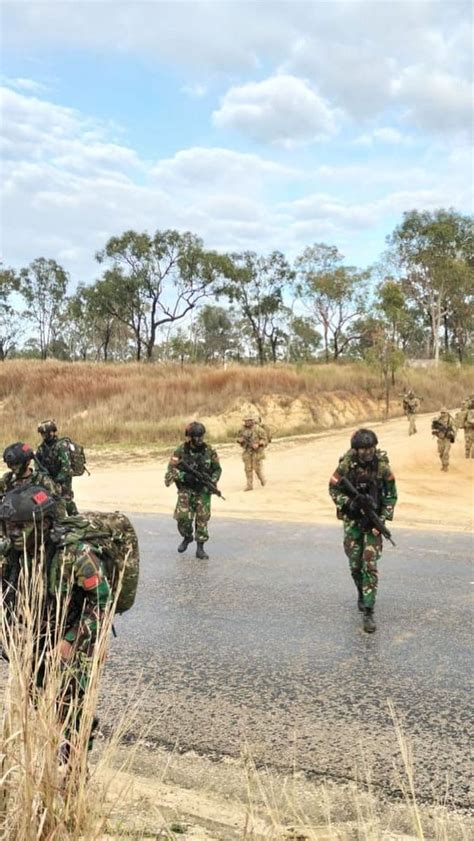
(256, 125)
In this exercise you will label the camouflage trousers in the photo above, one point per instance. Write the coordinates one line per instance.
(253, 463)
(411, 423)
(469, 443)
(444, 446)
(363, 550)
(193, 508)
(67, 494)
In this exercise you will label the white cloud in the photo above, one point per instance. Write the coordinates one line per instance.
(208, 167)
(196, 90)
(27, 85)
(436, 101)
(385, 134)
(32, 127)
(281, 110)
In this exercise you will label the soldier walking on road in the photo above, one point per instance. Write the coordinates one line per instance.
(253, 440)
(411, 404)
(465, 420)
(369, 471)
(193, 507)
(444, 429)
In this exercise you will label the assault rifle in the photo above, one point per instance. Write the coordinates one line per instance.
(202, 477)
(438, 426)
(366, 506)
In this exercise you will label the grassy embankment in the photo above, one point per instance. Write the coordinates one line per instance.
(131, 405)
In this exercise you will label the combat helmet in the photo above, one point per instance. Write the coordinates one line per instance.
(26, 504)
(47, 427)
(195, 429)
(363, 439)
(17, 455)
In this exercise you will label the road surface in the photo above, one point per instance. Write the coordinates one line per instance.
(261, 648)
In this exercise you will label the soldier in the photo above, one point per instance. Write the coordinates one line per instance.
(465, 420)
(253, 440)
(444, 429)
(193, 507)
(53, 454)
(369, 471)
(23, 471)
(411, 404)
(65, 619)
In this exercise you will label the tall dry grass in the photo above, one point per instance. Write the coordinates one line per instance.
(140, 404)
(46, 792)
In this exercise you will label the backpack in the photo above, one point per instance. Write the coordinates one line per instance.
(469, 420)
(114, 540)
(50, 462)
(76, 455)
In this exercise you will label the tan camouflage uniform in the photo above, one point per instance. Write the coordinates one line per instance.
(465, 420)
(253, 440)
(411, 404)
(444, 430)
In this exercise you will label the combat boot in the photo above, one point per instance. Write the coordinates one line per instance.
(184, 544)
(200, 553)
(248, 488)
(369, 623)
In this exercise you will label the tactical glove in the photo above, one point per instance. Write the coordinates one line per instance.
(351, 509)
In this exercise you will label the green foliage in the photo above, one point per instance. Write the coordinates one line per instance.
(257, 286)
(435, 255)
(156, 280)
(43, 285)
(335, 294)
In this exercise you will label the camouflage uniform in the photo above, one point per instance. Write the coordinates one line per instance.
(193, 506)
(411, 404)
(253, 440)
(362, 547)
(34, 476)
(54, 456)
(75, 577)
(443, 428)
(465, 420)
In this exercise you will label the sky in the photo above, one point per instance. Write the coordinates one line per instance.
(257, 125)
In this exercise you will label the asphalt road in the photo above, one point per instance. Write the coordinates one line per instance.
(261, 648)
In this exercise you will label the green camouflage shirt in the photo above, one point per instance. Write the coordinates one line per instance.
(55, 458)
(376, 479)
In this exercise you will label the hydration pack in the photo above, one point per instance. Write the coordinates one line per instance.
(115, 542)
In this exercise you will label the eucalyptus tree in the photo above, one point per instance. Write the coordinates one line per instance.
(152, 281)
(432, 249)
(257, 288)
(10, 320)
(43, 285)
(335, 295)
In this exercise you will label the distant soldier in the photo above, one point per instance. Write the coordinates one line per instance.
(23, 471)
(253, 440)
(443, 428)
(411, 404)
(195, 469)
(53, 454)
(368, 471)
(465, 420)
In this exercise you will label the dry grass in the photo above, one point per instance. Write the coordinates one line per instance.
(139, 404)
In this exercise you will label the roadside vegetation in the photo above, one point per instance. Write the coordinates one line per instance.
(138, 404)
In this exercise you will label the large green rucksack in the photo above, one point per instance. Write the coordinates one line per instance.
(114, 540)
(49, 459)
